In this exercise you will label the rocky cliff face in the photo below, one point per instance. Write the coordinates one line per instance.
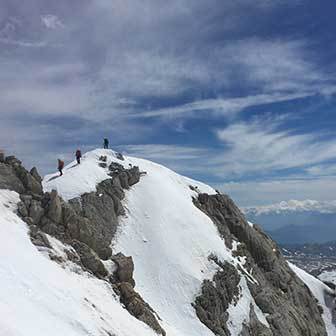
(280, 304)
(290, 307)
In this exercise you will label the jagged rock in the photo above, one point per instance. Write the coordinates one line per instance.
(38, 237)
(255, 327)
(2, 157)
(52, 228)
(138, 307)
(102, 164)
(216, 297)
(9, 179)
(99, 208)
(26, 199)
(36, 211)
(54, 210)
(276, 289)
(36, 175)
(103, 158)
(116, 168)
(12, 160)
(29, 182)
(22, 209)
(28, 220)
(133, 175)
(90, 259)
(123, 178)
(111, 189)
(125, 268)
(119, 156)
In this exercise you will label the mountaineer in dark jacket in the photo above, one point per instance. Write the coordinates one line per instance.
(78, 156)
(60, 166)
(106, 143)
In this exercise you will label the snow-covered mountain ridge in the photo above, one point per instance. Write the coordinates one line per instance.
(292, 206)
(132, 234)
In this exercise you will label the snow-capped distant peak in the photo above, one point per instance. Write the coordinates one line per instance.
(293, 206)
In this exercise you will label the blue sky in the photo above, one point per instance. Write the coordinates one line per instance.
(239, 94)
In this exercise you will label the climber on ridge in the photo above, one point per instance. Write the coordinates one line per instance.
(106, 143)
(78, 156)
(60, 166)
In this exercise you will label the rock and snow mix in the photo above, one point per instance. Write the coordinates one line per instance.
(39, 297)
(319, 289)
(170, 241)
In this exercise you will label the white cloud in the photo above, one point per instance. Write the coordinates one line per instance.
(51, 21)
(293, 206)
(229, 106)
(256, 193)
(260, 147)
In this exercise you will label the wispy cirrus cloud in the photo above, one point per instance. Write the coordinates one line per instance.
(261, 146)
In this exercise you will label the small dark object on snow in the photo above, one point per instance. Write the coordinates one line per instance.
(60, 166)
(106, 143)
(78, 155)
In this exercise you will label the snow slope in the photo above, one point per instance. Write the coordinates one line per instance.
(167, 236)
(318, 289)
(38, 297)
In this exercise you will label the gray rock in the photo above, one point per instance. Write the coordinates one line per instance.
(2, 157)
(90, 259)
(22, 209)
(99, 209)
(54, 210)
(292, 309)
(123, 178)
(255, 327)
(119, 156)
(138, 307)
(36, 211)
(26, 199)
(125, 268)
(216, 297)
(12, 160)
(133, 175)
(36, 175)
(38, 237)
(9, 180)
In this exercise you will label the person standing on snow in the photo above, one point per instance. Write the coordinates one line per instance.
(78, 155)
(60, 166)
(106, 143)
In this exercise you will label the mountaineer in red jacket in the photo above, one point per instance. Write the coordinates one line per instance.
(60, 166)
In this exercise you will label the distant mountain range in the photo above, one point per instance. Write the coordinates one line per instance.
(296, 222)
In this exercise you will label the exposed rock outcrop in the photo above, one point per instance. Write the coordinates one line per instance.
(138, 307)
(279, 293)
(211, 306)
